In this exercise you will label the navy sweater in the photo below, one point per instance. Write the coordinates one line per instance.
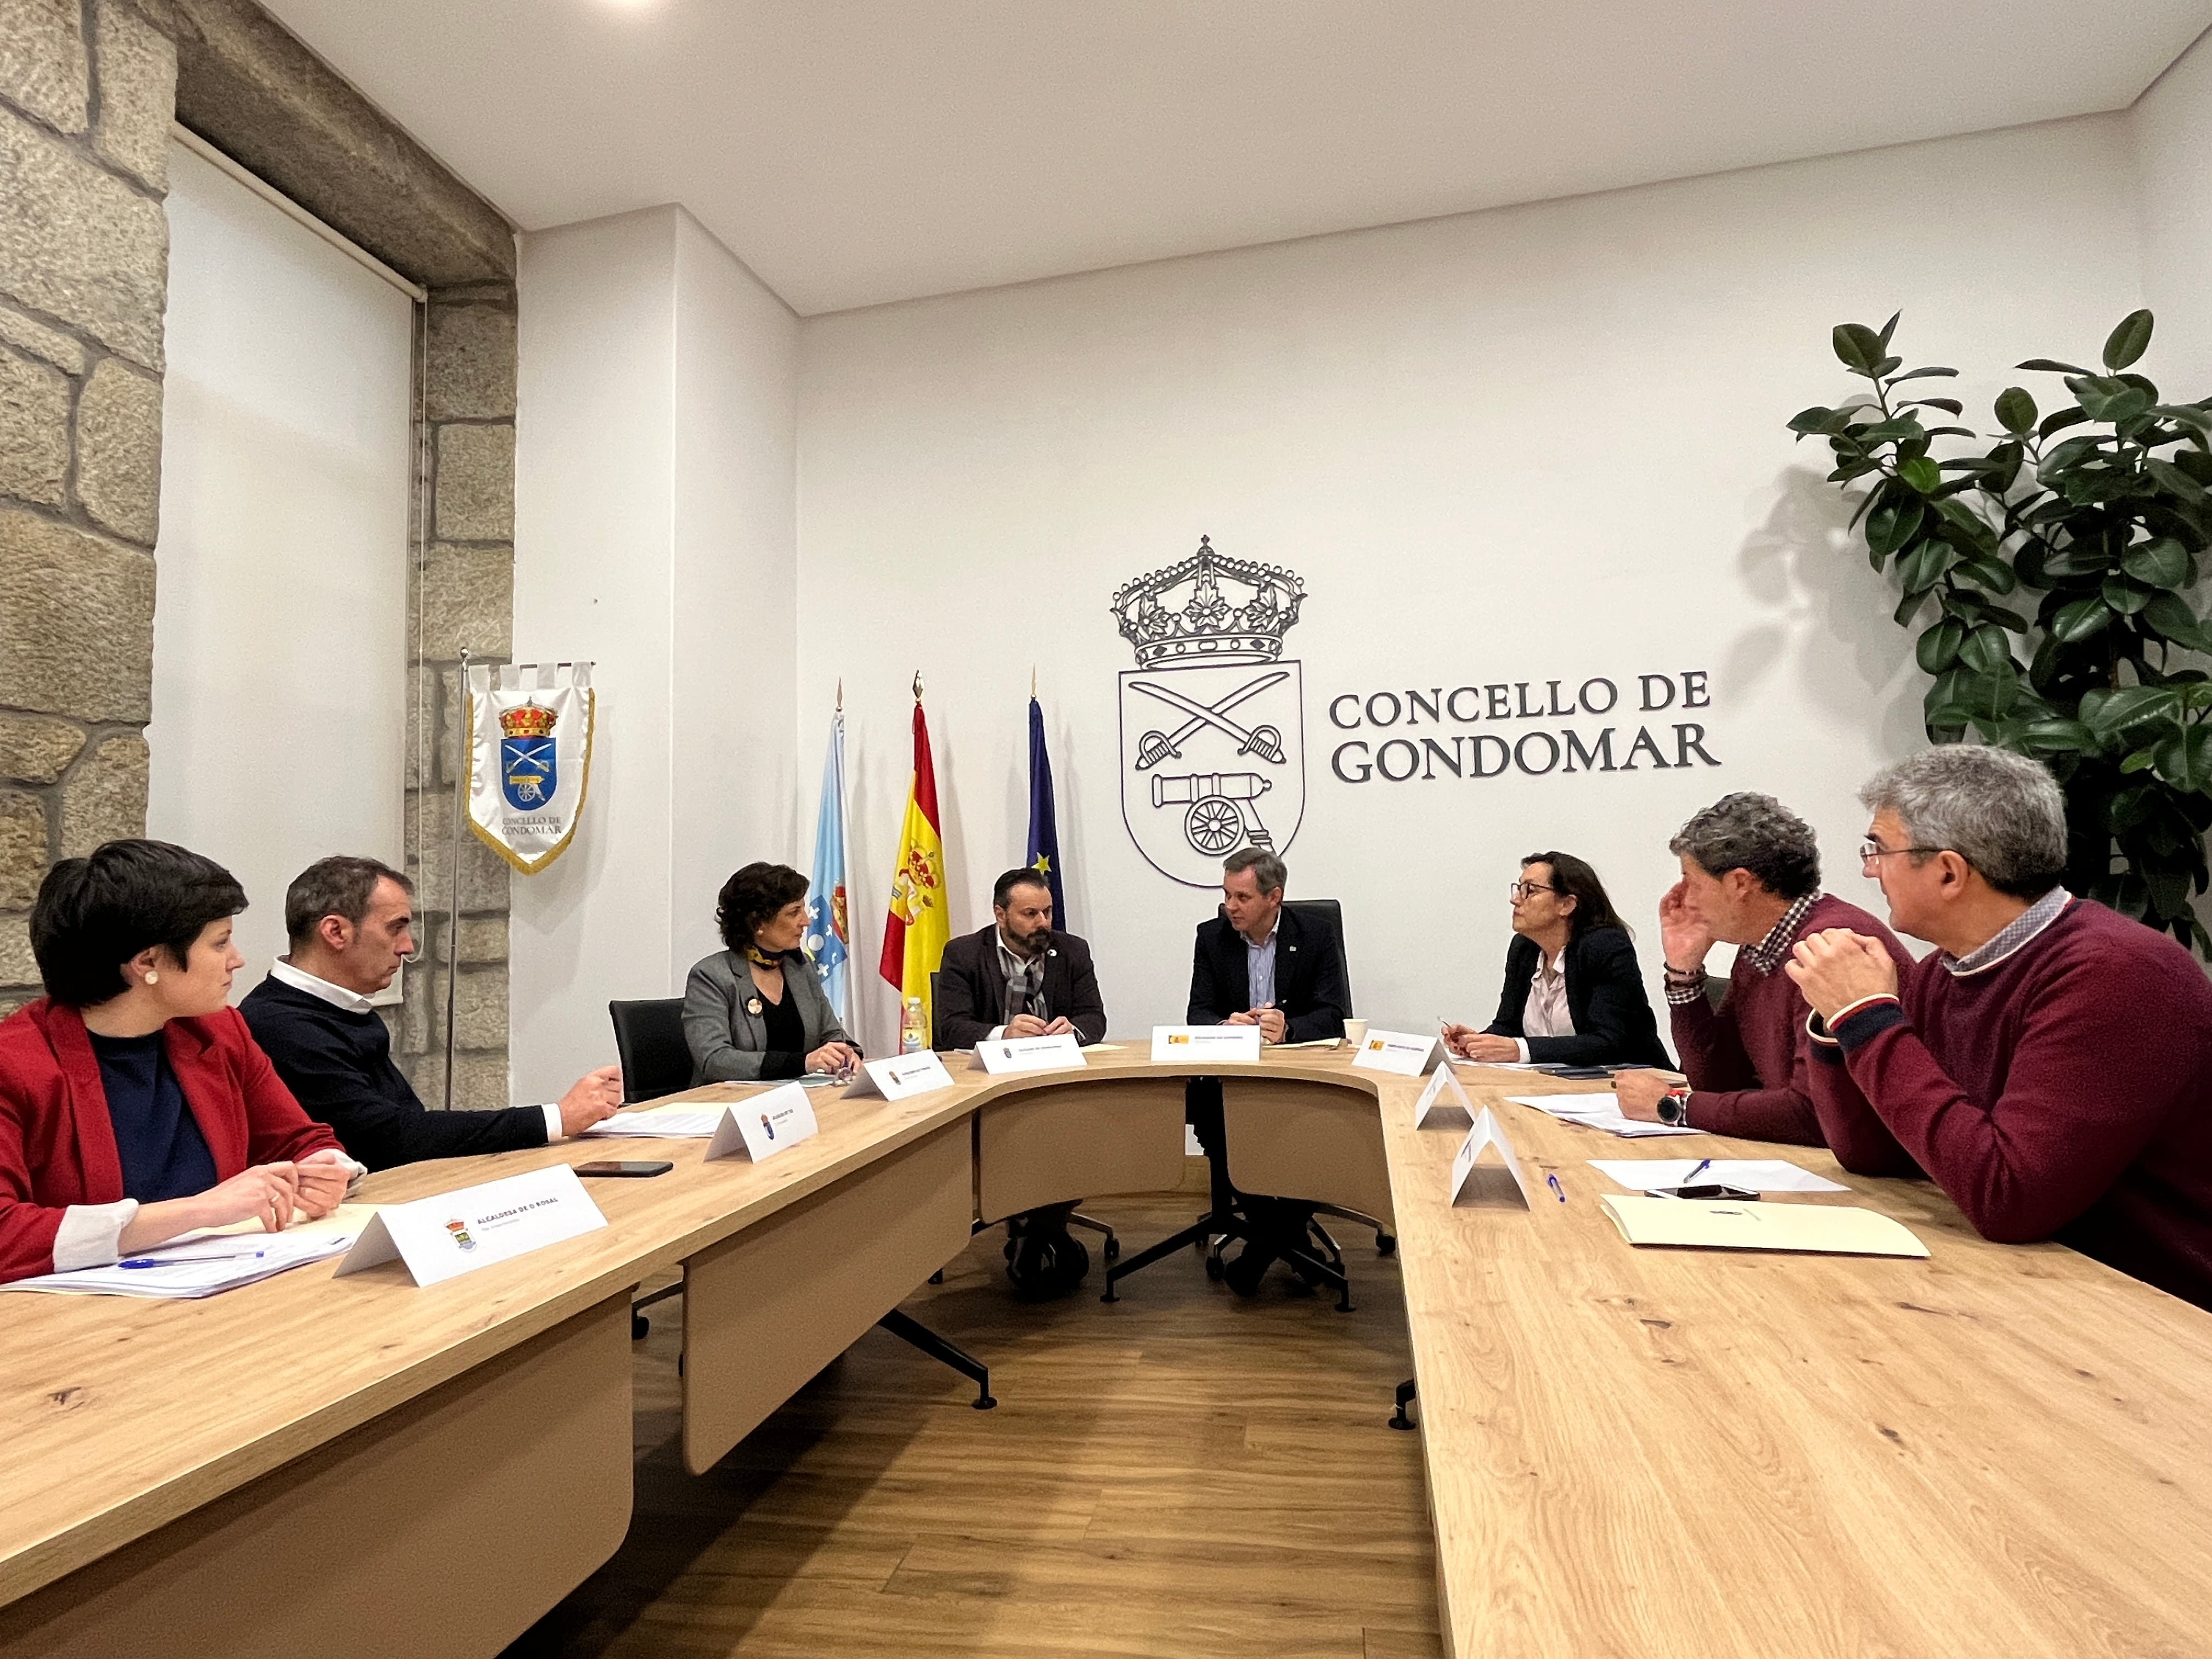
(339, 1066)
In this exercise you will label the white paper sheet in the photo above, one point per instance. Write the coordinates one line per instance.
(1600, 1110)
(1757, 1175)
(663, 1122)
(200, 1266)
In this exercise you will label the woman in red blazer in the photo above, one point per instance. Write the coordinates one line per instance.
(134, 1105)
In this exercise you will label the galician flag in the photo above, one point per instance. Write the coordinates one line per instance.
(829, 934)
(1044, 822)
(914, 935)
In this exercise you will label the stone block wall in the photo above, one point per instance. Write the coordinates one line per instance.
(86, 91)
(461, 594)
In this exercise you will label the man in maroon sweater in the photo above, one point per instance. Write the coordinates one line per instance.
(1750, 877)
(2051, 1066)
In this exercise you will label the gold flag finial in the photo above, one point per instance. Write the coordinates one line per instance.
(841, 694)
(917, 685)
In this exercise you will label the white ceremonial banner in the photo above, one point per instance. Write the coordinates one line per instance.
(457, 1232)
(901, 1076)
(1488, 1134)
(1433, 1111)
(1001, 1056)
(530, 757)
(763, 1125)
(1403, 1052)
(1234, 1045)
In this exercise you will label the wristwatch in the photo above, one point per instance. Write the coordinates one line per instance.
(1674, 1107)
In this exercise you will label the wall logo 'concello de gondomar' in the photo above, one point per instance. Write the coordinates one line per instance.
(1212, 716)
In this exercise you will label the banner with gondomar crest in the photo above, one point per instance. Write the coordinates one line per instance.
(530, 757)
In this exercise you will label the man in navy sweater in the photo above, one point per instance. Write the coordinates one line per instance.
(2050, 1064)
(352, 922)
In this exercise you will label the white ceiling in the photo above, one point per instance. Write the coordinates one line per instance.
(858, 151)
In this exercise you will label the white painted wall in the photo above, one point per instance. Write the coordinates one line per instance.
(280, 620)
(2173, 130)
(1544, 442)
(653, 500)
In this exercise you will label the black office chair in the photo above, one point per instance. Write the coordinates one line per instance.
(1228, 1219)
(655, 1062)
(649, 1043)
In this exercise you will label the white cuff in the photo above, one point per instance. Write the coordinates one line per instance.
(997, 1031)
(554, 1131)
(1521, 1050)
(91, 1235)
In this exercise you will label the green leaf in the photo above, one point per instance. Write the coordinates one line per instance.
(2076, 559)
(1991, 572)
(1890, 528)
(1908, 606)
(2050, 366)
(2111, 400)
(2184, 760)
(1858, 347)
(2161, 564)
(1807, 422)
(1922, 374)
(2111, 713)
(2129, 341)
(2169, 616)
(2079, 620)
(1923, 566)
(2058, 737)
(1888, 329)
(2168, 476)
(2015, 410)
(1948, 405)
(2140, 761)
(2060, 420)
(1922, 474)
(2124, 595)
(1939, 646)
(1985, 650)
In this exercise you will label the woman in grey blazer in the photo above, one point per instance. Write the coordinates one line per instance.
(756, 1011)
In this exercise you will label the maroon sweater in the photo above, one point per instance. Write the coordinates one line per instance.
(2063, 1092)
(1748, 1059)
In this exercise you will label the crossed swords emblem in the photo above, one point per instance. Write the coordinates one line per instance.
(1265, 741)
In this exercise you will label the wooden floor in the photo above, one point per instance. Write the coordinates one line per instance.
(1181, 1473)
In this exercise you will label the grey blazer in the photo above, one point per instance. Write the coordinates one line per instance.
(727, 1043)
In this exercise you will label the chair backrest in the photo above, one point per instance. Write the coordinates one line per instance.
(649, 1043)
(934, 975)
(1324, 920)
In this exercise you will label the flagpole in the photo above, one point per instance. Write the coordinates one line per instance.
(453, 892)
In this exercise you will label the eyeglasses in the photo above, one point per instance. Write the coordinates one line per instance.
(1522, 890)
(1870, 851)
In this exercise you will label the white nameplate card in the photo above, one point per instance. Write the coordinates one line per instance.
(457, 1232)
(901, 1076)
(1000, 1056)
(1394, 1051)
(764, 1125)
(1443, 1104)
(1488, 1134)
(1229, 1045)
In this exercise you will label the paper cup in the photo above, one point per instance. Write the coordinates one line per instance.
(1355, 1032)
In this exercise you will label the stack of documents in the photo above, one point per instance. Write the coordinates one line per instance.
(1601, 1110)
(664, 1122)
(1754, 1175)
(197, 1266)
(1719, 1224)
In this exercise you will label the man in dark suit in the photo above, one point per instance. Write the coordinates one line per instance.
(1256, 965)
(351, 921)
(1018, 977)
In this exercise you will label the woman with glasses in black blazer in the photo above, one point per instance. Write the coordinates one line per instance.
(1574, 995)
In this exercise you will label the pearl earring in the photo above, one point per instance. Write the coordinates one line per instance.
(152, 978)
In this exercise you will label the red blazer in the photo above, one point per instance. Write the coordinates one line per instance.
(57, 1145)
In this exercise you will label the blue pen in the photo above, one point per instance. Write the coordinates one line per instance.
(1553, 1181)
(1703, 1165)
(188, 1261)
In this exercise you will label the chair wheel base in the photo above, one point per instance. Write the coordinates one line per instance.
(1386, 1244)
(639, 1327)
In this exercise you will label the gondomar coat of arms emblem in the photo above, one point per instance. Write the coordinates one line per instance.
(1212, 716)
(526, 762)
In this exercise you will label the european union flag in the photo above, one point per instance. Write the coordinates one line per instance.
(829, 936)
(1044, 824)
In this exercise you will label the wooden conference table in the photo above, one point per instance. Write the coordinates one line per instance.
(2000, 1449)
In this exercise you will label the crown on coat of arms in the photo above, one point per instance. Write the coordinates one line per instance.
(1209, 608)
(528, 721)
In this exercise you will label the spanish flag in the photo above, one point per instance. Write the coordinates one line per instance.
(914, 935)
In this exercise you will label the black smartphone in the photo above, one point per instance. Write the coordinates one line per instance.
(1710, 1189)
(1579, 1071)
(635, 1169)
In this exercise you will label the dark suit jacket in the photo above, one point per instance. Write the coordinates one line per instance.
(1614, 1023)
(971, 989)
(1309, 979)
